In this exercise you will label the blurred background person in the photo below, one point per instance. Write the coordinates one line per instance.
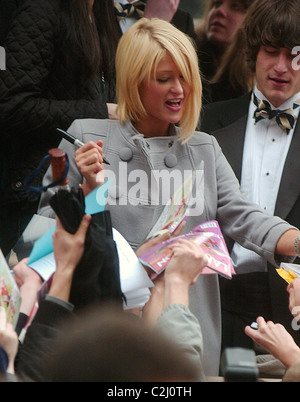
(233, 78)
(59, 66)
(7, 11)
(216, 31)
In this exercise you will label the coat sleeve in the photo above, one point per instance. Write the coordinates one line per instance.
(178, 322)
(30, 49)
(36, 348)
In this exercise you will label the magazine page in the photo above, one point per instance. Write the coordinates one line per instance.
(209, 237)
(10, 297)
(217, 252)
(177, 207)
(135, 282)
(158, 256)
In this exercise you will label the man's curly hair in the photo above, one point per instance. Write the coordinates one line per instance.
(273, 23)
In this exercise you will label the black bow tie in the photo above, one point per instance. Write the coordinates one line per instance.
(126, 10)
(284, 118)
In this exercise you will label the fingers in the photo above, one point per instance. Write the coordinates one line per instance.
(81, 231)
(84, 224)
(179, 229)
(261, 322)
(159, 239)
(293, 285)
(59, 225)
(184, 245)
(261, 327)
(99, 143)
(90, 153)
(152, 242)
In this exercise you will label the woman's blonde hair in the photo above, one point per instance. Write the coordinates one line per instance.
(139, 52)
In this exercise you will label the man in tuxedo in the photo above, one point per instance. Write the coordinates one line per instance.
(167, 10)
(264, 155)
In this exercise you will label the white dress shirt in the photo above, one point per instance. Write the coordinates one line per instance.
(265, 150)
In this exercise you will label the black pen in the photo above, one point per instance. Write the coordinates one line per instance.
(73, 140)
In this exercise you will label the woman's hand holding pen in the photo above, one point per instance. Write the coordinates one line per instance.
(89, 160)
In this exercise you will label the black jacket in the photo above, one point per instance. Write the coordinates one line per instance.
(37, 94)
(45, 327)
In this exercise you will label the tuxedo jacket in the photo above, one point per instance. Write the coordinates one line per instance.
(184, 22)
(227, 121)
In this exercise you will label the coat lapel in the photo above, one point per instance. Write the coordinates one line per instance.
(289, 189)
(232, 121)
(232, 145)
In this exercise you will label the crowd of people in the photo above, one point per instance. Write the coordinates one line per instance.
(139, 84)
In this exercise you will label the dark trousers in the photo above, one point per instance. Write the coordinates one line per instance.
(243, 299)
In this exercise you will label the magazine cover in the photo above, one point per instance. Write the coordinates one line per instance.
(209, 237)
(10, 297)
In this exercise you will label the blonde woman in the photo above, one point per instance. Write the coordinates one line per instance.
(159, 102)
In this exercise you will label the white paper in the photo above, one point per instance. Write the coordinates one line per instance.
(135, 282)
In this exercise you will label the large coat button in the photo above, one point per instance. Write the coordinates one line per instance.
(170, 160)
(17, 186)
(126, 154)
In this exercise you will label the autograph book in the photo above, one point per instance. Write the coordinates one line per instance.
(10, 297)
(180, 203)
(209, 237)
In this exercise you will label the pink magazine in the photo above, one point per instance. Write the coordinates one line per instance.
(209, 237)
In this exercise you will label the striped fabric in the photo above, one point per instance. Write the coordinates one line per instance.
(127, 10)
(284, 118)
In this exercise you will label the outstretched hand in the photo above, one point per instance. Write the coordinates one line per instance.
(68, 250)
(294, 297)
(159, 239)
(276, 340)
(186, 263)
(29, 282)
(172, 286)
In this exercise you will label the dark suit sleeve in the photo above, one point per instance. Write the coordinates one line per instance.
(184, 22)
(208, 121)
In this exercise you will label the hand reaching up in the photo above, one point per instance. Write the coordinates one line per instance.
(68, 250)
